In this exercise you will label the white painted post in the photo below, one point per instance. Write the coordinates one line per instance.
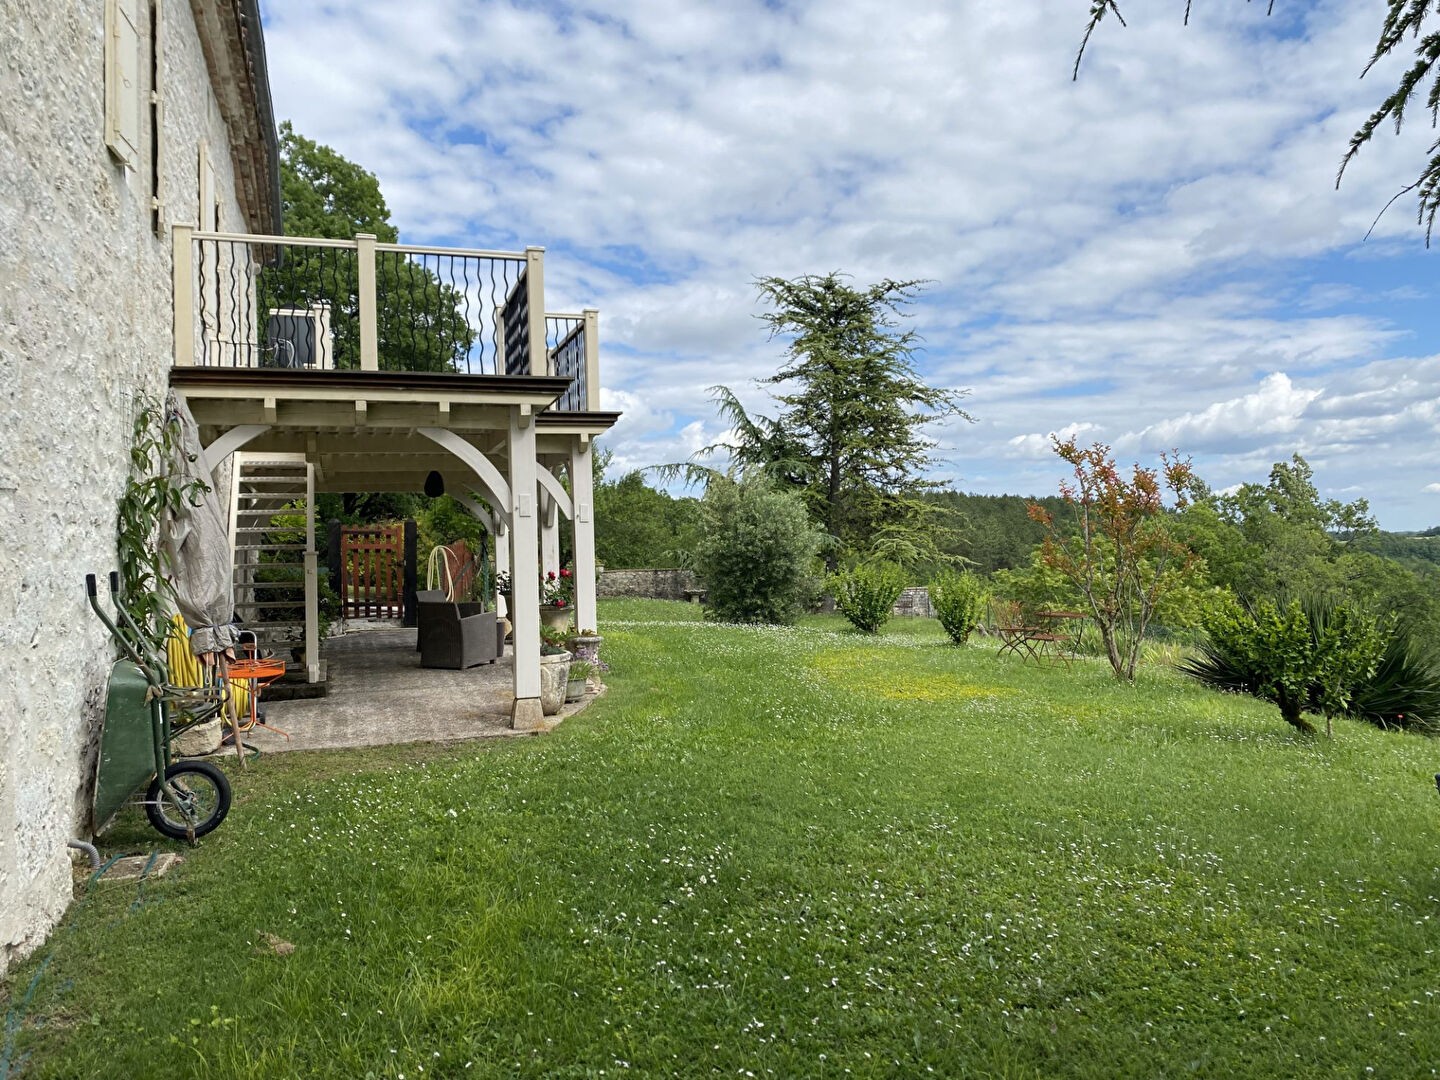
(549, 533)
(535, 300)
(182, 240)
(592, 360)
(525, 572)
(502, 554)
(365, 263)
(582, 492)
(312, 583)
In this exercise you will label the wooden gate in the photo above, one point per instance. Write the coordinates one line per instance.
(373, 571)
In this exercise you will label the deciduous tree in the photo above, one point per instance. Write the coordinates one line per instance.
(420, 321)
(1120, 552)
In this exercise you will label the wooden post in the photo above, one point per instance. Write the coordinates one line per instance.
(592, 361)
(582, 495)
(183, 248)
(535, 301)
(525, 572)
(409, 611)
(334, 559)
(365, 264)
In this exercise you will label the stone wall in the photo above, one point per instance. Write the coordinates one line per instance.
(652, 584)
(914, 601)
(85, 331)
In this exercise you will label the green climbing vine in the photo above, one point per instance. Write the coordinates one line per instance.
(149, 494)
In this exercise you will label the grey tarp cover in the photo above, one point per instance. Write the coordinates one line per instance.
(199, 544)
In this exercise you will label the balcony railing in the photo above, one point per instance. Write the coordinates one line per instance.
(244, 301)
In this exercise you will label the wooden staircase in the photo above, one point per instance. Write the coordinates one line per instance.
(272, 535)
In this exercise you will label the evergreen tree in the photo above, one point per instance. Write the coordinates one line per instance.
(849, 433)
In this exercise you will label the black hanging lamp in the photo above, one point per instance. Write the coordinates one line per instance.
(434, 484)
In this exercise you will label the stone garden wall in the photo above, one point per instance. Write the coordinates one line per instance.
(651, 584)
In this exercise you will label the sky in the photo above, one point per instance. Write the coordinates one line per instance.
(1154, 256)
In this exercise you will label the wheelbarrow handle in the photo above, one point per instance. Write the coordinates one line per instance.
(114, 583)
(90, 585)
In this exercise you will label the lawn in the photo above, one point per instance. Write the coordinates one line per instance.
(786, 853)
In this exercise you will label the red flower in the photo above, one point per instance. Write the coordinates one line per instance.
(550, 576)
(559, 603)
(564, 573)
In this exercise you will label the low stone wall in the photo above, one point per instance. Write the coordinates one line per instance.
(914, 601)
(651, 584)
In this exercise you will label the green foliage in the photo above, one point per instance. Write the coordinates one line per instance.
(848, 436)
(148, 496)
(444, 521)
(994, 532)
(960, 602)
(1301, 655)
(638, 527)
(420, 321)
(755, 551)
(866, 594)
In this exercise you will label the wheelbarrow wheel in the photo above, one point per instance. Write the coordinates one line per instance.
(203, 800)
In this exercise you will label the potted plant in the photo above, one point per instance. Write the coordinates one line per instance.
(557, 598)
(554, 670)
(576, 680)
(585, 645)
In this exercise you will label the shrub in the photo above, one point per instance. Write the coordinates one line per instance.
(755, 551)
(1302, 655)
(959, 601)
(867, 593)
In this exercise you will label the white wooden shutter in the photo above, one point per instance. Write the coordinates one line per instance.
(122, 81)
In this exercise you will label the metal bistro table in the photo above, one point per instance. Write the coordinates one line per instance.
(1049, 637)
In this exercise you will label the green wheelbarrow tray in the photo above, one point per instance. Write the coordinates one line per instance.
(127, 742)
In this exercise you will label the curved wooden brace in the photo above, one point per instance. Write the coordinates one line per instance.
(484, 468)
(485, 517)
(556, 489)
(231, 441)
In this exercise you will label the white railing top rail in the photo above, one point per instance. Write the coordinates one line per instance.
(324, 242)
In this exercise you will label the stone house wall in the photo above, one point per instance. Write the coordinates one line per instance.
(85, 333)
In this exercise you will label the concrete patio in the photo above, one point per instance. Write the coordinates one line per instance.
(380, 695)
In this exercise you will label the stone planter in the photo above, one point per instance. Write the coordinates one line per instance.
(555, 618)
(574, 690)
(585, 646)
(554, 674)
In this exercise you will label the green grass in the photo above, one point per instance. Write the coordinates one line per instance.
(789, 853)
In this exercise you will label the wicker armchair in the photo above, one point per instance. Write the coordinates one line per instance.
(451, 638)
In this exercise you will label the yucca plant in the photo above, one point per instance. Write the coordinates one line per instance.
(1404, 691)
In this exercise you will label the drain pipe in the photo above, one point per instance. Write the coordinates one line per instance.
(90, 850)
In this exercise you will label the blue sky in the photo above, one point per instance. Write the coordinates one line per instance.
(1155, 256)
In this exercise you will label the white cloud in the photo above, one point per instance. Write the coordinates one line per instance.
(1154, 255)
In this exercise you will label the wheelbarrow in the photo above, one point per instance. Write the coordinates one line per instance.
(144, 714)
